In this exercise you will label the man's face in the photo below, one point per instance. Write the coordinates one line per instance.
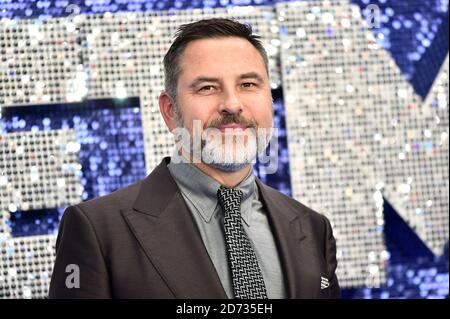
(224, 84)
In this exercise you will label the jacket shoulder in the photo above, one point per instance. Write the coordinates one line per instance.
(120, 199)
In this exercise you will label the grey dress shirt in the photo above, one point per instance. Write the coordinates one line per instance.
(200, 193)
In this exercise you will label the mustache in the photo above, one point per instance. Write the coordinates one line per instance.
(232, 119)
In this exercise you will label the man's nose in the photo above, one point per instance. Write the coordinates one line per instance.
(230, 104)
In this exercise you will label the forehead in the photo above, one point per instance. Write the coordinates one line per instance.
(219, 56)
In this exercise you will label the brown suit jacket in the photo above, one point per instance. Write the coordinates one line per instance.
(142, 242)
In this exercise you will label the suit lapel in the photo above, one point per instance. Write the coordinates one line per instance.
(291, 229)
(166, 230)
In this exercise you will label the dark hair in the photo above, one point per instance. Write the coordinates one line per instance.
(204, 29)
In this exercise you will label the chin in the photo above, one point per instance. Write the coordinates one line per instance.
(228, 167)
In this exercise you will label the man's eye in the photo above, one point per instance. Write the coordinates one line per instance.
(248, 84)
(206, 88)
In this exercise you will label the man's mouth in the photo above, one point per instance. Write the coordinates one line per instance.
(232, 126)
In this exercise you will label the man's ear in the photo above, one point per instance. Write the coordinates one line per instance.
(166, 107)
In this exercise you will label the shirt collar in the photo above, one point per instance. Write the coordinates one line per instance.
(201, 190)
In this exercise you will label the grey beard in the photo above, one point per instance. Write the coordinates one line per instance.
(228, 167)
(222, 166)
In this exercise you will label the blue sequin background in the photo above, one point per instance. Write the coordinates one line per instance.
(414, 32)
(111, 153)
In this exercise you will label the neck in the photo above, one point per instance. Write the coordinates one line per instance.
(227, 179)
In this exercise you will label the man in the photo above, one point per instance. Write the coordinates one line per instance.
(201, 225)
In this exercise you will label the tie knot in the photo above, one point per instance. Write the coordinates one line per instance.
(230, 198)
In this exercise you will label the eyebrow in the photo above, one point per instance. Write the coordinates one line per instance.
(249, 75)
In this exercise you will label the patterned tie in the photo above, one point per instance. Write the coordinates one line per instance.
(248, 282)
